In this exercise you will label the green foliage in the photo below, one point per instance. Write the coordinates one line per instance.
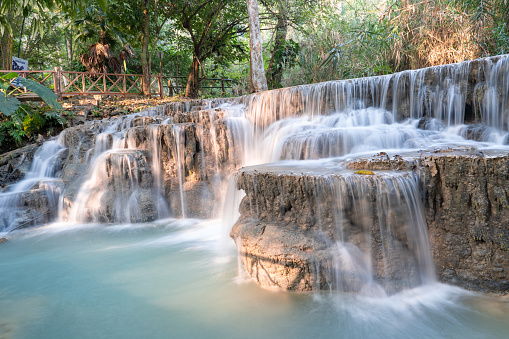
(344, 40)
(12, 128)
(55, 117)
(33, 123)
(38, 10)
(93, 25)
(486, 9)
(355, 38)
(500, 39)
(321, 39)
(215, 28)
(23, 120)
(29, 121)
(43, 92)
(8, 105)
(9, 76)
(286, 56)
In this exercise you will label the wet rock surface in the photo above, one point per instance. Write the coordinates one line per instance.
(183, 146)
(15, 164)
(467, 212)
(465, 206)
(299, 224)
(296, 229)
(173, 156)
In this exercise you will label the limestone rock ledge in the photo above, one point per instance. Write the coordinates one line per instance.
(285, 234)
(467, 212)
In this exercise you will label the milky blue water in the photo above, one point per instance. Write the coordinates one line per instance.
(179, 279)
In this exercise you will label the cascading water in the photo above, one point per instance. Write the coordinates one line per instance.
(119, 186)
(349, 232)
(429, 110)
(157, 172)
(401, 233)
(307, 220)
(179, 135)
(42, 181)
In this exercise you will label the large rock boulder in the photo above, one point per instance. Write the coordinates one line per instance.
(294, 230)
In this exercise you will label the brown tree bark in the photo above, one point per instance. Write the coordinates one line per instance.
(68, 40)
(257, 80)
(145, 58)
(275, 73)
(193, 79)
(6, 51)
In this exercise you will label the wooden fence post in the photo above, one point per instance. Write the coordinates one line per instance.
(57, 78)
(222, 86)
(161, 89)
(170, 88)
(24, 75)
(123, 81)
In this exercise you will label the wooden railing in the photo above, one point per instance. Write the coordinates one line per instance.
(67, 83)
(76, 83)
(176, 86)
(45, 78)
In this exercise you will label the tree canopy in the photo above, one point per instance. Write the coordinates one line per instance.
(304, 41)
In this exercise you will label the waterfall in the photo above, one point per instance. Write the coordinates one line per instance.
(440, 92)
(42, 181)
(179, 135)
(117, 190)
(186, 160)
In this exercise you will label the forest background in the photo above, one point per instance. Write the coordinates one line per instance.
(304, 41)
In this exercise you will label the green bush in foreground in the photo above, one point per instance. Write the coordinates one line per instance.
(18, 120)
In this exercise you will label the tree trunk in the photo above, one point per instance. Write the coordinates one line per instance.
(68, 38)
(193, 79)
(275, 71)
(257, 80)
(6, 51)
(58, 46)
(145, 64)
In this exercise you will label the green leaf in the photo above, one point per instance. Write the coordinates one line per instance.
(4, 86)
(9, 76)
(16, 134)
(44, 92)
(103, 4)
(8, 105)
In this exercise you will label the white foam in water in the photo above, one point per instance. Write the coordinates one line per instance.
(139, 283)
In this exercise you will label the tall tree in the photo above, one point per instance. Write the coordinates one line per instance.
(98, 39)
(142, 22)
(257, 80)
(214, 27)
(279, 16)
(12, 10)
